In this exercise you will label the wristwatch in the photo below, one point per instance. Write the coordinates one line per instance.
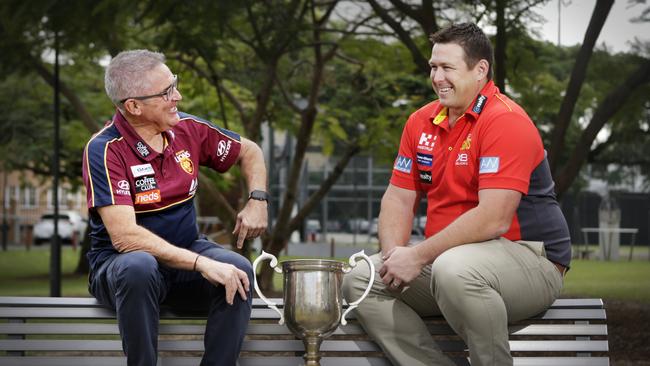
(259, 195)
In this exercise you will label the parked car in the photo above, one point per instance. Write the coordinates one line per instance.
(71, 227)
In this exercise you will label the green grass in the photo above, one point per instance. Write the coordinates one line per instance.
(26, 273)
(610, 280)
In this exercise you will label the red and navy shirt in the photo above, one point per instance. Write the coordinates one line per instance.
(494, 144)
(119, 168)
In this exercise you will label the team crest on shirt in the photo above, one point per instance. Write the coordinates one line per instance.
(183, 158)
(467, 143)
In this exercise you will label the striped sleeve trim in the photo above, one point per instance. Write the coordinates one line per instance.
(97, 169)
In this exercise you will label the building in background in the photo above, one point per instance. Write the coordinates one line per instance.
(26, 197)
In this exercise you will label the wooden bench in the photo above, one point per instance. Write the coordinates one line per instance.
(78, 331)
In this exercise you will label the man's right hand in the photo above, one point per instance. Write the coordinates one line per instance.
(232, 278)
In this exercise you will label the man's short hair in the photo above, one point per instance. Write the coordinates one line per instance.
(126, 74)
(470, 37)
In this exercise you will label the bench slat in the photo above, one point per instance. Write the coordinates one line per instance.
(291, 345)
(189, 361)
(266, 314)
(92, 302)
(276, 329)
(277, 361)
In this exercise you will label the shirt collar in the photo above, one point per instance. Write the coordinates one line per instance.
(484, 96)
(439, 114)
(137, 144)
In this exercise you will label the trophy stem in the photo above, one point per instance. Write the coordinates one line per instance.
(312, 346)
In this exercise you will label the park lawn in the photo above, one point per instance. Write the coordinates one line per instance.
(26, 273)
(627, 281)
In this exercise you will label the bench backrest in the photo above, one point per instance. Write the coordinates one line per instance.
(69, 331)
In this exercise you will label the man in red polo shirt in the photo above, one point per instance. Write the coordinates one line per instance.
(497, 243)
(141, 176)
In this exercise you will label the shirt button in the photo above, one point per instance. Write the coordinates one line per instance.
(450, 148)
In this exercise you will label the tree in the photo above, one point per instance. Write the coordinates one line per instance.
(608, 106)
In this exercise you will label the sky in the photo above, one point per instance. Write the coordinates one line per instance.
(575, 14)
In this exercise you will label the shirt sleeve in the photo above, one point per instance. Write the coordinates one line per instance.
(404, 172)
(220, 148)
(510, 150)
(105, 176)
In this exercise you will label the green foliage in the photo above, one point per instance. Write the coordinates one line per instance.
(368, 89)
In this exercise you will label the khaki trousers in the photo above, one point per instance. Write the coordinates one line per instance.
(477, 287)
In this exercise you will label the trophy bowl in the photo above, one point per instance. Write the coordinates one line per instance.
(313, 302)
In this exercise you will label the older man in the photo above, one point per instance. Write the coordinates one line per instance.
(497, 243)
(141, 175)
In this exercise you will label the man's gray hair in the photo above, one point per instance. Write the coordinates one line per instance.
(126, 74)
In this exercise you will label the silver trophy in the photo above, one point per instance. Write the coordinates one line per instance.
(313, 302)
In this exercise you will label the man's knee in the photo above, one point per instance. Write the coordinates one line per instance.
(450, 273)
(135, 270)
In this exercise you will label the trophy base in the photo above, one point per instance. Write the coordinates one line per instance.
(312, 346)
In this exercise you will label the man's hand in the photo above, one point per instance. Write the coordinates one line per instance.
(232, 278)
(401, 266)
(252, 221)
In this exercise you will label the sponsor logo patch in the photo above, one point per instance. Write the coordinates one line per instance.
(147, 197)
(183, 158)
(223, 148)
(489, 164)
(425, 177)
(462, 159)
(145, 184)
(427, 141)
(403, 164)
(142, 149)
(480, 103)
(424, 159)
(123, 188)
(140, 170)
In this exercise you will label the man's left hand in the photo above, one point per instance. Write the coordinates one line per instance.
(252, 221)
(401, 266)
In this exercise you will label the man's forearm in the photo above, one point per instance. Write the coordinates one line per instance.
(475, 225)
(253, 167)
(395, 223)
(141, 239)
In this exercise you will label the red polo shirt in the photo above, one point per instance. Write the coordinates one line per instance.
(494, 144)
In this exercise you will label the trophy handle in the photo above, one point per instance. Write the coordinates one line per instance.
(273, 264)
(353, 263)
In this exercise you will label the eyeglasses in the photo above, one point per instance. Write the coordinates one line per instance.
(165, 94)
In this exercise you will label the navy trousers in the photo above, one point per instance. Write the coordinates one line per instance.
(135, 285)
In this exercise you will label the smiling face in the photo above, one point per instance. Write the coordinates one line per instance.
(157, 113)
(455, 82)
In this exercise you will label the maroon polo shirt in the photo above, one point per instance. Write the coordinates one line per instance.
(119, 168)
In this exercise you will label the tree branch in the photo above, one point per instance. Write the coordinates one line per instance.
(578, 75)
(88, 121)
(607, 108)
(421, 62)
(325, 186)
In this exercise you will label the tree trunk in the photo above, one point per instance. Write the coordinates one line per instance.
(607, 108)
(578, 75)
(499, 66)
